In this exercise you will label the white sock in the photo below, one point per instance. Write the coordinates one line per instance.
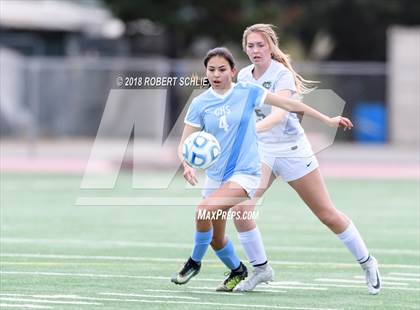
(354, 242)
(253, 246)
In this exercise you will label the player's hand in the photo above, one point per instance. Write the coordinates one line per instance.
(189, 174)
(340, 121)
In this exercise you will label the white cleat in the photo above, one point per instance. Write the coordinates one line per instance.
(262, 274)
(373, 279)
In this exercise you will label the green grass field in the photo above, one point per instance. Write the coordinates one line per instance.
(56, 255)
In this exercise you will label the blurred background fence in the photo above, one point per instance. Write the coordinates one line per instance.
(48, 97)
(60, 61)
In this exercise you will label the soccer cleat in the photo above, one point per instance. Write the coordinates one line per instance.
(234, 277)
(373, 280)
(189, 270)
(262, 274)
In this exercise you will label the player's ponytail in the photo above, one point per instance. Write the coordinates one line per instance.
(303, 86)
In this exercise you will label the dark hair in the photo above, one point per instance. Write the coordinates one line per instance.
(222, 52)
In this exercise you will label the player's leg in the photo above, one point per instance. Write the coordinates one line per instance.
(311, 188)
(225, 251)
(223, 246)
(250, 238)
(222, 199)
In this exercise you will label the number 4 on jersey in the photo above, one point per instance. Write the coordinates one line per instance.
(223, 123)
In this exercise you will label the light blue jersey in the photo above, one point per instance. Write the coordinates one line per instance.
(231, 119)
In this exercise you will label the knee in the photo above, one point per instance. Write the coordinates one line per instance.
(328, 217)
(243, 209)
(243, 217)
(217, 242)
(238, 211)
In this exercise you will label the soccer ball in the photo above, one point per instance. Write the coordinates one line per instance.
(201, 150)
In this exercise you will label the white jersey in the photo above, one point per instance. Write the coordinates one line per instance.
(287, 136)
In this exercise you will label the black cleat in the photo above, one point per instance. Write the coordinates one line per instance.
(189, 270)
(233, 279)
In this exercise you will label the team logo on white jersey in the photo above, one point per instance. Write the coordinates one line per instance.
(267, 84)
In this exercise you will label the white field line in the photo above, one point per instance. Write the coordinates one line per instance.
(260, 289)
(194, 292)
(148, 296)
(96, 257)
(49, 301)
(309, 288)
(196, 302)
(268, 291)
(215, 303)
(417, 275)
(102, 243)
(89, 275)
(361, 282)
(395, 279)
(285, 283)
(92, 298)
(155, 296)
(312, 286)
(167, 278)
(179, 260)
(205, 290)
(247, 306)
(364, 286)
(20, 306)
(55, 296)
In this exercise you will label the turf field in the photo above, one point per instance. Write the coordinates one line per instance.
(56, 255)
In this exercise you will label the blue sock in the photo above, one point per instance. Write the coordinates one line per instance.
(228, 256)
(201, 243)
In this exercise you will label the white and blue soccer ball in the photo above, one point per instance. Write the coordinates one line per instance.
(201, 150)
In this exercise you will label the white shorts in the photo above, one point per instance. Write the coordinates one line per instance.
(294, 165)
(248, 182)
(290, 168)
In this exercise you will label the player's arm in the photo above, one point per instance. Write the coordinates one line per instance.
(189, 172)
(299, 107)
(276, 116)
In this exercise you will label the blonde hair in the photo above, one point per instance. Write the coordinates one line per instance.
(303, 86)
